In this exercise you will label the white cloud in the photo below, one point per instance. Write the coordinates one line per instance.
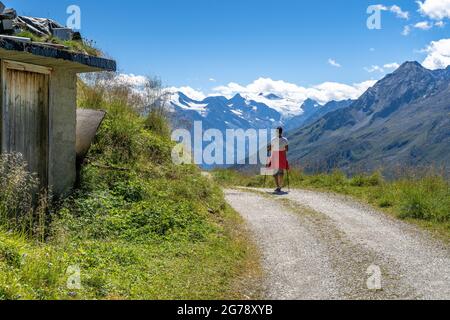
(212, 80)
(435, 9)
(328, 91)
(131, 79)
(438, 54)
(135, 82)
(399, 12)
(363, 86)
(190, 92)
(138, 82)
(406, 30)
(393, 65)
(292, 96)
(396, 10)
(440, 24)
(423, 25)
(295, 94)
(334, 63)
(374, 68)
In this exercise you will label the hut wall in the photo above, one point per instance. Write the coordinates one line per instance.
(62, 130)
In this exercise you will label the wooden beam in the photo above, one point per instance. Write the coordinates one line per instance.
(21, 66)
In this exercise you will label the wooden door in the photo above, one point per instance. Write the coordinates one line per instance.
(25, 115)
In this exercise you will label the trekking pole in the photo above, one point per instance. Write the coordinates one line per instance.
(265, 172)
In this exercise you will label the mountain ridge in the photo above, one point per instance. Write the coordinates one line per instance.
(403, 120)
(221, 113)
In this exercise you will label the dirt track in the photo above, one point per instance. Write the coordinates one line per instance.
(324, 246)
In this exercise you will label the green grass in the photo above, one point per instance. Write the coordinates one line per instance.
(138, 227)
(423, 199)
(79, 46)
(30, 35)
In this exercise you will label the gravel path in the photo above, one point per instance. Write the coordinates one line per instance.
(324, 246)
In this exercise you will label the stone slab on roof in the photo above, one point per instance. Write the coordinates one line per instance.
(53, 57)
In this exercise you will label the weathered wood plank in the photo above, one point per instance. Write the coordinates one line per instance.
(27, 104)
(14, 65)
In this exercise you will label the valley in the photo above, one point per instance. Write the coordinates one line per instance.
(402, 121)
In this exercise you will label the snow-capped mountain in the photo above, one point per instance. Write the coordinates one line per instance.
(267, 110)
(221, 113)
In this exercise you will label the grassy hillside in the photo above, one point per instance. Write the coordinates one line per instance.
(137, 227)
(421, 198)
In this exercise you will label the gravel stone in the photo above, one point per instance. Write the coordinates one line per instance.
(320, 246)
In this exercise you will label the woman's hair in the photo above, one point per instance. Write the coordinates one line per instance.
(280, 131)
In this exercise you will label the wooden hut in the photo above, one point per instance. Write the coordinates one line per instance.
(38, 107)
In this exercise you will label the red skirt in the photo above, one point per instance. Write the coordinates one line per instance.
(279, 161)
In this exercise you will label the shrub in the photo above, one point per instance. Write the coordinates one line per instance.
(17, 187)
(10, 255)
(415, 204)
(427, 198)
(335, 180)
(150, 219)
(131, 189)
(157, 122)
(155, 148)
(362, 180)
(117, 136)
(23, 207)
(376, 179)
(125, 136)
(385, 202)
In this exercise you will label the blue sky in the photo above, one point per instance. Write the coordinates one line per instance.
(208, 43)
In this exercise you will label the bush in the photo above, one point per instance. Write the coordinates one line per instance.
(335, 180)
(427, 199)
(126, 137)
(150, 219)
(385, 202)
(415, 204)
(155, 148)
(17, 187)
(362, 180)
(23, 207)
(157, 122)
(10, 255)
(117, 138)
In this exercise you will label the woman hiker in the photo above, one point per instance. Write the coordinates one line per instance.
(279, 148)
